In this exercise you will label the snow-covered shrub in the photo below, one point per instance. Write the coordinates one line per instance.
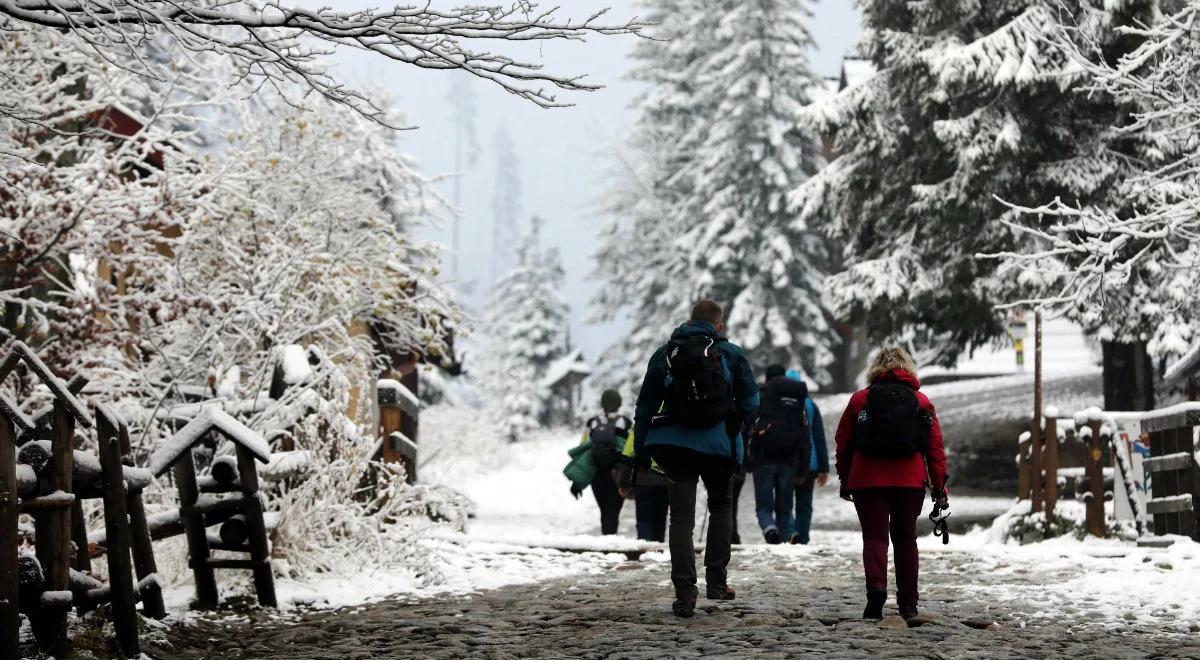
(1021, 525)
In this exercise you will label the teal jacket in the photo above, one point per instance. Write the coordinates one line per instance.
(652, 400)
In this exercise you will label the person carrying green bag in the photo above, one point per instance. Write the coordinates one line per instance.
(596, 457)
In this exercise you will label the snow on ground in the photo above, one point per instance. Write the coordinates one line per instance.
(527, 528)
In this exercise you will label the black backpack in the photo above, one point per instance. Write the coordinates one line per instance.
(698, 394)
(780, 434)
(608, 439)
(892, 425)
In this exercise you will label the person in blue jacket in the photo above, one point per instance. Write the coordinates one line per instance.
(815, 473)
(684, 379)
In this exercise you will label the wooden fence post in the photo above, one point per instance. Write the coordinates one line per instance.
(1095, 475)
(116, 524)
(53, 530)
(197, 538)
(1050, 463)
(142, 545)
(260, 551)
(1024, 471)
(10, 621)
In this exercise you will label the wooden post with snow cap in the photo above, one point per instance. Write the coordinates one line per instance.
(116, 525)
(1050, 461)
(398, 411)
(1035, 428)
(1095, 477)
(142, 545)
(256, 527)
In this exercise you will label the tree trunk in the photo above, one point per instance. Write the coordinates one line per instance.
(1128, 376)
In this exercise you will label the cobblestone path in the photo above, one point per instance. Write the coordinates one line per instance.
(792, 602)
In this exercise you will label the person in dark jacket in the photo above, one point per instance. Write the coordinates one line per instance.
(815, 473)
(888, 492)
(711, 454)
(775, 475)
(604, 441)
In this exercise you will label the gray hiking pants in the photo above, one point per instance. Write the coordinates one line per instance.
(684, 469)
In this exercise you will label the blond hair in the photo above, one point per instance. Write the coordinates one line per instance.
(890, 358)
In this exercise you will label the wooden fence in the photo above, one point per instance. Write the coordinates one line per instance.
(1098, 462)
(222, 508)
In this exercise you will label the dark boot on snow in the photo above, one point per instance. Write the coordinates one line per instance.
(875, 600)
(909, 612)
(772, 536)
(684, 606)
(719, 592)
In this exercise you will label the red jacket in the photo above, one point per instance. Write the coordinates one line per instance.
(861, 471)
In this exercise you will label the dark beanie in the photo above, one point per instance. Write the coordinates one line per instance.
(775, 371)
(610, 401)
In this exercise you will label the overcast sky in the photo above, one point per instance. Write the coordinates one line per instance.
(563, 153)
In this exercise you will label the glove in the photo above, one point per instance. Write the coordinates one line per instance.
(845, 493)
(576, 490)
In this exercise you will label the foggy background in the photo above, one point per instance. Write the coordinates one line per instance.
(563, 154)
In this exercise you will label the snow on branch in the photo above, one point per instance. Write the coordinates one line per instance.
(1134, 268)
(274, 44)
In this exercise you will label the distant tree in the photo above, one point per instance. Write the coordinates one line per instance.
(700, 207)
(744, 245)
(464, 113)
(635, 261)
(528, 320)
(506, 204)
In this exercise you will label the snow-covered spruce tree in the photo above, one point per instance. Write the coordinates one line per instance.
(635, 261)
(972, 102)
(1131, 273)
(743, 243)
(528, 320)
(704, 212)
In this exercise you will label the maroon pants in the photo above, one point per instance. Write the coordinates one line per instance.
(890, 511)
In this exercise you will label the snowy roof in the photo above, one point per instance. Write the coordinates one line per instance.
(20, 352)
(1184, 367)
(824, 89)
(856, 70)
(571, 364)
(211, 418)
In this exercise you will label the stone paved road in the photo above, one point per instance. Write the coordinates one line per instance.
(792, 602)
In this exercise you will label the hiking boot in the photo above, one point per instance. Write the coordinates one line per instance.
(684, 606)
(875, 600)
(772, 536)
(796, 540)
(719, 592)
(909, 611)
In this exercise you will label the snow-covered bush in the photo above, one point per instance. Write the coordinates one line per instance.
(1021, 525)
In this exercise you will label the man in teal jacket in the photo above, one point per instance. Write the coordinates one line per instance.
(687, 454)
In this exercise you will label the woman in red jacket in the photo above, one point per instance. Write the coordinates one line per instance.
(885, 472)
